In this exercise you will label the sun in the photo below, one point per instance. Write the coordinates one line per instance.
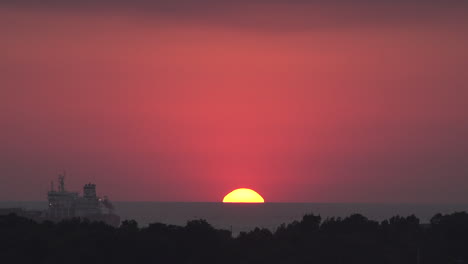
(243, 195)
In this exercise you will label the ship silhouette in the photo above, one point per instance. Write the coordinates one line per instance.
(64, 204)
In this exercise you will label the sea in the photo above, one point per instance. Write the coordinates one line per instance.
(245, 217)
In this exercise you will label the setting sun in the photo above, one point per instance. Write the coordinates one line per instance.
(243, 195)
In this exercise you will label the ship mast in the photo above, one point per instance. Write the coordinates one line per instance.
(61, 179)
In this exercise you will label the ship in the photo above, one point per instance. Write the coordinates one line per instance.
(63, 205)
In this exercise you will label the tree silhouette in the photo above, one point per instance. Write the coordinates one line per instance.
(353, 239)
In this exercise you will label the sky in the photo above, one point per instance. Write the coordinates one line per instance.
(178, 100)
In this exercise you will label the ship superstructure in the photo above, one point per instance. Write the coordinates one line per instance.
(64, 204)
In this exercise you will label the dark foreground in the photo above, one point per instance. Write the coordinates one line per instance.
(354, 239)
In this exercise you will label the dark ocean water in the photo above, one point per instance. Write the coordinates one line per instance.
(244, 217)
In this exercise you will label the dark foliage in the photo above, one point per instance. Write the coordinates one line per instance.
(354, 239)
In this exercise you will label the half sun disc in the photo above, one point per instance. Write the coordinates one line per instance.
(243, 195)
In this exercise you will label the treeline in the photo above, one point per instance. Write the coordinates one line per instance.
(354, 239)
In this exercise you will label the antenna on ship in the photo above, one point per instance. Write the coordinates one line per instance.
(61, 179)
(52, 186)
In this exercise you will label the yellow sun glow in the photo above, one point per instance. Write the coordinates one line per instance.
(243, 195)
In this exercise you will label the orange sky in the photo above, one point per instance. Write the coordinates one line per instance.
(186, 102)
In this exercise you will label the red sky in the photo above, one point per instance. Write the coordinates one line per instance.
(180, 101)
